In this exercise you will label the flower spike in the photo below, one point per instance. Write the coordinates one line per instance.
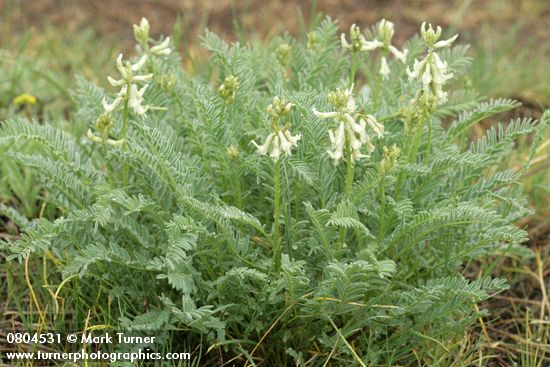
(348, 130)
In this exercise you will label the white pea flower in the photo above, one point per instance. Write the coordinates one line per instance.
(377, 127)
(446, 43)
(97, 139)
(371, 45)
(417, 69)
(348, 131)
(110, 107)
(135, 100)
(162, 48)
(338, 140)
(264, 148)
(399, 55)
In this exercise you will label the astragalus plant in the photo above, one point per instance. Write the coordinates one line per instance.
(315, 202)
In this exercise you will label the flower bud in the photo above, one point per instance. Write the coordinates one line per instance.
(228, 89)
(429, 35)
(312, 41)
(167, 81)
(279, 108)
(141, 32)
(389, 159)
(93, 137)
(339, 98)
(283, 53)
(233, 152)
(104, 124)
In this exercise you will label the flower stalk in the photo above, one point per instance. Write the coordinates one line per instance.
(280, 141)
(348, 139)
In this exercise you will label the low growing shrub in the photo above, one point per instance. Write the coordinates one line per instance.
(314, 202)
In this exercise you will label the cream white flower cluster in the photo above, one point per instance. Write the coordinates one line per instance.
(349, 132)
(358, 41)
(432, 70)
(130, 94)
(386, 31)
(129, 80)
(280, 140)
(129, 86)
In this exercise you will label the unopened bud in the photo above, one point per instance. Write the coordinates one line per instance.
(283, 53)
(228, 89)
(389, 159)
(233, 152)
(141, 32)
(167, 81)
(429, 35)
(279, 108)
(339, 98)
(312, 41)
(386, 31)
(104, 124)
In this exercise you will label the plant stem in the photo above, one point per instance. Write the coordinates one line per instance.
(429, 147)
(411, 149)
(237, 185)
(415, 144)
(377, 89)
(222, 113)
(382, 194)
(353, 69)
(275, 232)
(349, 171)
(220, 148)
(347, 190)
(124, 134)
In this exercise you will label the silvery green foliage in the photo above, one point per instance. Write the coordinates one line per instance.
(368, 273)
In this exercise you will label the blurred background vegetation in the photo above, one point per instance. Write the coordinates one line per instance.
(45, 43)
